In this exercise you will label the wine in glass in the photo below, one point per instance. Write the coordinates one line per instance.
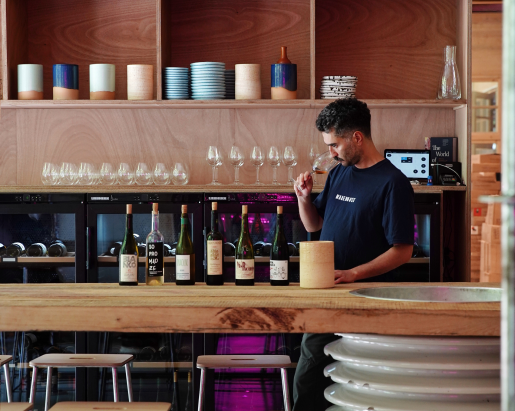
(290, 161)
(257, 159)
(214, 159)
(236, 158)
(324, 163)
(274, 159)
(314, 152)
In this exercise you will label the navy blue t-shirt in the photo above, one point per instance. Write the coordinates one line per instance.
(366, 211)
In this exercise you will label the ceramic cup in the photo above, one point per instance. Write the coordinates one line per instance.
(316, 264)
(284, 81)
(66, 81)
(140, 82)
(248, 81)
(30, 82)
(101, 81)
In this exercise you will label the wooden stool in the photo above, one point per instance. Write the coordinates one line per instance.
(4, 361)
(205, 362)
(131, 406)
(50, 361)
(16, 406)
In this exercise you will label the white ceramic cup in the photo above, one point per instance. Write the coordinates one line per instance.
(140, 82)
(102, 81)
(247, 81)
(30, 82)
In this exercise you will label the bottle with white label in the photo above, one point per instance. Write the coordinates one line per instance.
(279, 254)
(244, 261)
(154, 261)
(185, 254)
(129, 253)
(215, 255)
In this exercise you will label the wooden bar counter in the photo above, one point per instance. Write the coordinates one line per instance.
(231, 309)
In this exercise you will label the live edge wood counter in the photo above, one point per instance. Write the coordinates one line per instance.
(231, 309)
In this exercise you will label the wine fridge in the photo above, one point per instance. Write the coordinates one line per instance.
(163, 363)
(42, 238)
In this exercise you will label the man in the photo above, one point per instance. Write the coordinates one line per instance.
(367, 209)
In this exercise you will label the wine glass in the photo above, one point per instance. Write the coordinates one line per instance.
(290, 161)
(161, 174)
(236, 158)
(143, 174)
(107, 174)
(324, 163)
(50, 174)
(257, 159)
(313, 153)
(68, 174)
(274, 159)
(214, 159)
(180, 174)
(87, 174)
(125, 174)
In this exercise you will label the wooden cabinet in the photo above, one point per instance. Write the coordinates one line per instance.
(395, 48)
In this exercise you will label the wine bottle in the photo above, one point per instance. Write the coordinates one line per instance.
(57, 249)
(258, 248)
(37, 250)
(292, 250)
(279, 254)
(215, 258)
(114, 249)
(154, 262)
(142, 250)
(229, 249)
(244, 260)
(167, 250)
(173, 250)
(184, 254)
(188, 406)
(3, 249)
(15, 250)
(129, 254)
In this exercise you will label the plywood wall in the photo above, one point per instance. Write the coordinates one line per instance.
(30, 137)
(486, 46)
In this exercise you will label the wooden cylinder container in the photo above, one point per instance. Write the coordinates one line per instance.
(317, 264)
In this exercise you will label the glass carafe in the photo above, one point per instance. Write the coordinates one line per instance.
(449, 87)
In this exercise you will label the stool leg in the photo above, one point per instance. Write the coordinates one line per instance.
(129, 381)
(201, 390)
(33, 385)
(286, 392)
(48, 388)
(115, 384)
(8, 383)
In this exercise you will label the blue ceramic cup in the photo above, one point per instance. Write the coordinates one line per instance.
(66, 76)
(284, 81)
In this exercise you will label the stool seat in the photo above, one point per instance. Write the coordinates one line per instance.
(16, 406)
(4, 359)
(81, 360)
(131, 406)
(243, 361)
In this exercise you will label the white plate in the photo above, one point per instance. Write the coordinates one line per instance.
(340, 77)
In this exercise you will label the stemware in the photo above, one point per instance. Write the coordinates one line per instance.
(50, 174)
(290, 161)
(161, 174)
(324, 163)
(236, 158)
(274, 159)
(125, 174)
(143, 174)
(107, 174)
(313, 153)
(180, 174)
(68, 174)
(214, 159)
(87, 174)
(257, 159)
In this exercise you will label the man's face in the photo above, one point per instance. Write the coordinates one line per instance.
(344, 149)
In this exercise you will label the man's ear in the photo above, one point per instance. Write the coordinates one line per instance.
(358, 137)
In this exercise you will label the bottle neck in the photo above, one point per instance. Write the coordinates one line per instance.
(155, 222)
(214, 220)
(279, 232)
(128, 225)
(184, 222)
(244, 223)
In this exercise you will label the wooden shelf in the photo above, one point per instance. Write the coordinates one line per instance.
(68, 260)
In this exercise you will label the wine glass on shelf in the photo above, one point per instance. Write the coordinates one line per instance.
(290, 161)
(161, 174)
(214, 159)
(313, 153)
(107, 174)
(143, 174)
(274, 159)
(180, 174)
(236, 158)
(50, 174)
(324, 163)
(125, 174)
(257, 159)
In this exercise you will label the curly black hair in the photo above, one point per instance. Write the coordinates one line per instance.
(344, 115)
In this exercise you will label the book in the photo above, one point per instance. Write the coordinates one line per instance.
(443, 149)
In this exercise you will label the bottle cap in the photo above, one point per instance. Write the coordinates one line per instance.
(184, 209)
(189, 376)
(244, 209)
(279, 209)
(129, 208)
(175, 376)
(154, 208)
(214, 206)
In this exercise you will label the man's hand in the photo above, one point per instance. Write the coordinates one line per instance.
(344, 276)
(305, 181)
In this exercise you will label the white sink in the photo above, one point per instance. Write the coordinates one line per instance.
(438, 294)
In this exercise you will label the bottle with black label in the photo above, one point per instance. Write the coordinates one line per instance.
(129, 253)
(154, 263)
(279, 254)
(244, 260)
(215, 256)
(37, 250)
(185, 254)
(15, 250)
(57, 249)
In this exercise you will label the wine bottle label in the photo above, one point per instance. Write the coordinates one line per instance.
(245, 269)
(214, 257)
(128, 268)
(182, 267)
(278, 269)
(155, 259)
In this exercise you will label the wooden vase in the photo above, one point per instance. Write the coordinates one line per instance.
(247, 81)
(317, 264)
(140, 82)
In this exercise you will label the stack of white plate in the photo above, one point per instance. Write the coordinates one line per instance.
(207, 80)
(391, 373)
(176, 83)
(333, 87)
(230, 89)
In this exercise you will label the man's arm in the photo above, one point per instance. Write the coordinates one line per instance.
(397, 255)
(308, 212)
